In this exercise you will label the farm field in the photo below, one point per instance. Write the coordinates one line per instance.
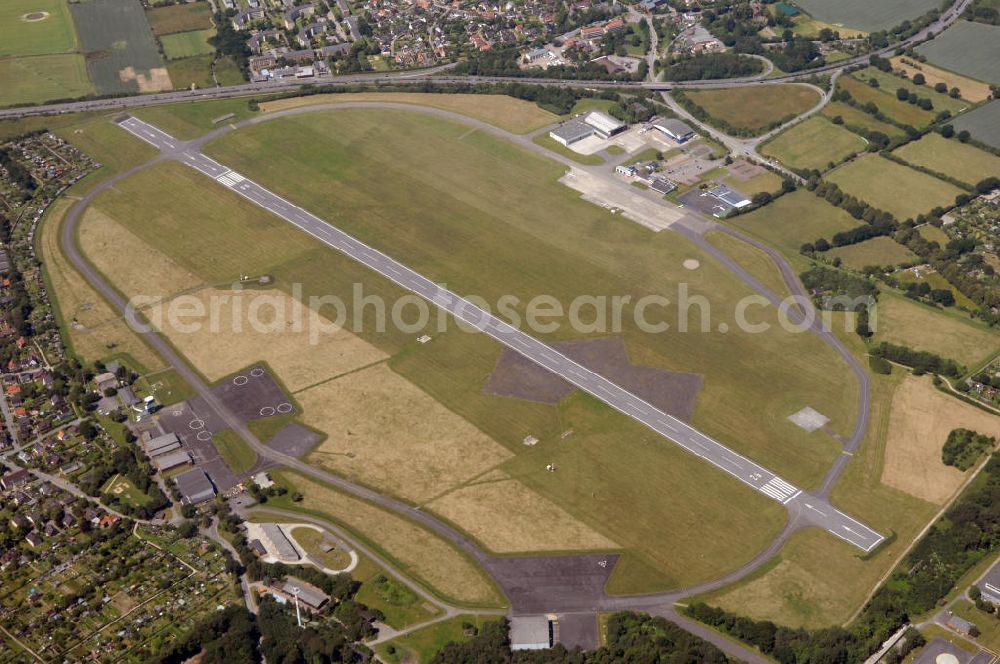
(122, 55)
(889, 83)
(921, 419)
(967, 48)
(180, 18)
(983, 123)
(889, 186)
(864, 15)
(187, 44)
(856, 118)
(196, 71)
(40, 78)
(453, 367)
(514, 115)
(228, 72)
(755, 108)
(813, 144)
(766, 181)
(35, 27)
(876, 251)
(418, 552)
(961, 161)
(969, 88)
(899, 111)
(795, 219)
(948, 334)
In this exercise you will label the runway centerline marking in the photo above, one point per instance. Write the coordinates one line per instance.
(612, 394)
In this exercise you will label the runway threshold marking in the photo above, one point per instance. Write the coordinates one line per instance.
(583, 378)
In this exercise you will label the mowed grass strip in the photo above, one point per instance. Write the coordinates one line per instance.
(892, 187)
(239, 456)
(193, 119)
(41, 78)
(539, 238)
(886, 101)
(755, 108)
(514, 115)
(418, 552)
(180, 18)
(857, 119)
(879, 251)
(20, 35)
(795, 219)
(187, 44)
(814, 144)
(951, 157)
(947, 333)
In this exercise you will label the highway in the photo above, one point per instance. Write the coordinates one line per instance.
(812, 508)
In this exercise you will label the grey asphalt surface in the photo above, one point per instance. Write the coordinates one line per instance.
(817, 509)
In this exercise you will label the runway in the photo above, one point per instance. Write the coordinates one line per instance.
(813, 508)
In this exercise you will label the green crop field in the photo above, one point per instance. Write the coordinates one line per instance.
(964, 162)
(537, 234)
(967, 48)
(856, 119)
(41, 78)
(892, 187)
(891, 82)
(813, 144)
(180, 18)
(122, 55)
(755, 108)
(876, 251)
(187, 44)
(866, 15)
(196, 71)
(885, 100)
(983, 123)
(35, 27)
(795, 219)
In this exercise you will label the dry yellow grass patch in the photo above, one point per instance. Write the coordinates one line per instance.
(508, 517)
(268, 325)
(417, 552)
(132, 265)
(970, 89)
(514, 115)
(94, 329)
(920, 421)
(388, 433)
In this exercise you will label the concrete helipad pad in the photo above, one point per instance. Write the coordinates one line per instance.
(809, 419)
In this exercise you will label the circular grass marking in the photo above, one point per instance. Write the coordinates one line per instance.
(266, 411)
(196, 424)
(691, 264)
(284, 407)
(241, 380)
(946, 658)
(204, 436)
(256, 372)
(34, 17)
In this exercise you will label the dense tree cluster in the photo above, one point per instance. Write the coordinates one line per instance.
(834, 283)
(712, 66)
(230, 42)
(966, 534)
(129, 463)
(505, 62)
(964, 447)
(227, 637)
(632, 637)
(920, 361)
(18, 174)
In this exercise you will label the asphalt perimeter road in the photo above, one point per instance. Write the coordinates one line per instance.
(815, 509)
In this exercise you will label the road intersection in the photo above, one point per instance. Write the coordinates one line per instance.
(814, 509)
